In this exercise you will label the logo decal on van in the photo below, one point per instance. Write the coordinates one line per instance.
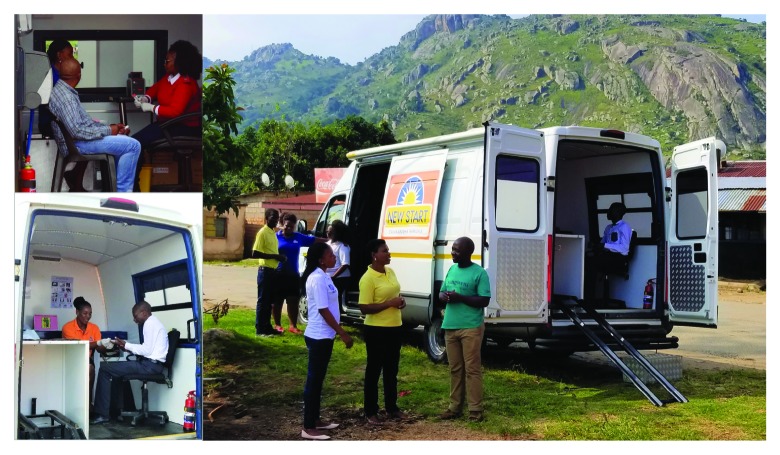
(409, 205)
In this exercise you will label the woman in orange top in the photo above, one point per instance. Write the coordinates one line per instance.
(81, 329)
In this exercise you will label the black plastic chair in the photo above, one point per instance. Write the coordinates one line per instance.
(164, 377)
(72, 155)
(183, 148)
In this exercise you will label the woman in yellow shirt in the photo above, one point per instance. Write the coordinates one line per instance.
(381, 302)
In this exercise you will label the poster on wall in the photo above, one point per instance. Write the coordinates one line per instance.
(62, 292)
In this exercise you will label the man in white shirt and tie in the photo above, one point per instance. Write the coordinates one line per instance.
(151, 356)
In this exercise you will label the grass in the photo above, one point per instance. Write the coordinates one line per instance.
(250, 262)
(525, 397)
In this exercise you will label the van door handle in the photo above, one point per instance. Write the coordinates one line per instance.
(439, 243)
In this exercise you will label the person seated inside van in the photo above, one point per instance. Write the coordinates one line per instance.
(81, 329)
(611, 252)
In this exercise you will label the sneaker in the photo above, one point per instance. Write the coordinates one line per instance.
(327, 426)
(398, 415)
(449, 415)
(279, 329)
(374, 420)
(476, 416)
(313, 435)
(294, 330)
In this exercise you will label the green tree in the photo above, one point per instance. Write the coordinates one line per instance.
(222, 158)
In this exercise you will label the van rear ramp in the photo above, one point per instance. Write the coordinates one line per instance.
(572, 309)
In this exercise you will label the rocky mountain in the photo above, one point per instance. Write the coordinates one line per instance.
(673, 77)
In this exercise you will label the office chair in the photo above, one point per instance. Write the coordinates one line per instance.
(72, 155)
(164, 377)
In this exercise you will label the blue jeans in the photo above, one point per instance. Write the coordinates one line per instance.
(125, 150)
(319, 357)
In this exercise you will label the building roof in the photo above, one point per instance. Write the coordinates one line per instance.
(303, 202)
(742, 200)
(743, 169)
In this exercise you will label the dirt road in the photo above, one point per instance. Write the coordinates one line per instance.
(739, 340)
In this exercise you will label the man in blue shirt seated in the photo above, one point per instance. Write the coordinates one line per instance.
(612, 251)
(91, 137)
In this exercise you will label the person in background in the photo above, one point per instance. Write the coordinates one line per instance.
(151, 356)
(91, 136)
(288, 276)
(266, 249)
(81, 329)
(380, 300)
(323, 326)
(338, 239)
(465, 292)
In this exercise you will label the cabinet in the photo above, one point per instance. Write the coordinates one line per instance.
(569, 265)
(56, 374)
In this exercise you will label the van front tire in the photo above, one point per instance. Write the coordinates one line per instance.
(434, 342)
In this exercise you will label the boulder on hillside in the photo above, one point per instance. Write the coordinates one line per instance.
(569, 80)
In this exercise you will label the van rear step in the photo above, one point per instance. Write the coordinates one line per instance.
(573, 310)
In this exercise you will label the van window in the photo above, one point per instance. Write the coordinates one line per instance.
(164, 286)
(639, 214)
(517, 194)
(692, 204)
(334, 211)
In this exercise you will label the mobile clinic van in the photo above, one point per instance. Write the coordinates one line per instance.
(532, 201)
(113, 252)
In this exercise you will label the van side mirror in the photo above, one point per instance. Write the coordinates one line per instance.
(668, 194)
(301, 226)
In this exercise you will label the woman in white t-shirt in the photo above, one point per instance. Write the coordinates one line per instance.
(338, 239)
(323, 325)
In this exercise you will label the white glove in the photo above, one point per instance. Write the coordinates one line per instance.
(147, 107)
(106, 343)
(141, 99)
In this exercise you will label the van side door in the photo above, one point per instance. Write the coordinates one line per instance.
(692, 260)
(408, 225)
(515, 248)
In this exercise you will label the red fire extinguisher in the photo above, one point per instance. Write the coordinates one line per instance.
(189, 412)
(27, 177)
(647, 300)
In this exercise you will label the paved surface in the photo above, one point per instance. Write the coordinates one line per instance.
(740, 338)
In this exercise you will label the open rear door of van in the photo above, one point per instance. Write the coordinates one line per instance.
(515, 243)
(409, 221)
(692, 261)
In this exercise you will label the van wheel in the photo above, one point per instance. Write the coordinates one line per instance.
(303, 310)
(435, 345)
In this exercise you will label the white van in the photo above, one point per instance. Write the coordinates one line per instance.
(113, 252)
(532, 201)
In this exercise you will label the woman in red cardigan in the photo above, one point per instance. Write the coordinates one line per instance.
(175, 94)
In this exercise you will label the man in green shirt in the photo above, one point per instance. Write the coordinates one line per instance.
(465, 292)
(266, 248)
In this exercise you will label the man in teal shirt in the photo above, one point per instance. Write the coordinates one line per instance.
(465, 292)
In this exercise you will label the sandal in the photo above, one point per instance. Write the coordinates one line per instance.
(294, 330)
(374, 420)
(279, 329)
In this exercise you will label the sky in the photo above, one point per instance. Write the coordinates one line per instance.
(350, 38)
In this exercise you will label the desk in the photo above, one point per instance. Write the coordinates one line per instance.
(569, 265)
(121, 100)
(55, 372)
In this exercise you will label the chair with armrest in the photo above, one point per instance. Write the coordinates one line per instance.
(165, 377)
(183, 148)
(72, 155)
